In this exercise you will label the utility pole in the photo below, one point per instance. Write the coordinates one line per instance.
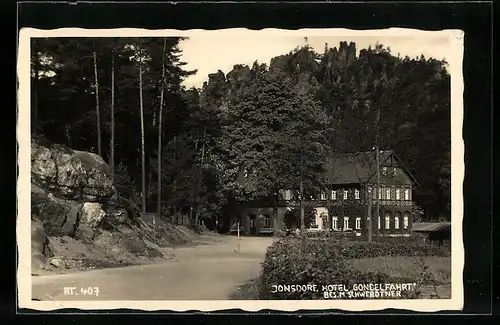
(160, 133)
(369, 217)
(377, 166)
(238, 247)
(377, 197)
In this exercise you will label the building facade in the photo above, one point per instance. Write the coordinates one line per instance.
(347, 201)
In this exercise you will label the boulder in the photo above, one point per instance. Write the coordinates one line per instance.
(40, 245)
(57, 262)
(114, 218)
(92, 214)
(59, 217)
(84, 233)
(70, 174)
(99, 182)
(43, 166)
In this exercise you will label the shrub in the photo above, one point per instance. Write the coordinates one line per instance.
(356, 247)
(124, 184)
(362, 249)
(322, 259)
(300, 261)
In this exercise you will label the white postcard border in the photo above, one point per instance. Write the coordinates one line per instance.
(454, 57)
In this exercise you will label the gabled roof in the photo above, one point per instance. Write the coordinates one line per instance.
(359, 167)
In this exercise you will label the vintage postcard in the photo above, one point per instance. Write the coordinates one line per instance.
(315, 169)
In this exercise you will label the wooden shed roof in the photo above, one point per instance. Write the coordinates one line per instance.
(431, 226)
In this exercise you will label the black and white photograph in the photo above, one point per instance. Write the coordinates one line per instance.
(251, 169)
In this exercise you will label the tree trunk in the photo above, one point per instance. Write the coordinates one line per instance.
(193, 193)
(175, 182)
(160, 121)
(302, 212)
(112, 159)
(99, 148)
(199, 175)
(143, 154)
(149, 187)
(377, 166)
(275, 225)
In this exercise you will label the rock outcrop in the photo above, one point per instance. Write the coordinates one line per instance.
(71, 174)
(78, 219)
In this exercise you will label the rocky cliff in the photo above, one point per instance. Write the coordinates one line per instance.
(78, 220)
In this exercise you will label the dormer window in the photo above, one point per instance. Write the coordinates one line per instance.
(323, 196)
(334, 195)
(356, 194)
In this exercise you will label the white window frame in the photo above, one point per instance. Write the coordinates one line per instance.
(378, 222)
(396, 222)
(387, 223)
(334, 195)
(323, 196)
(346, 223)
(358, 223)
(345, 195)
(267, 221)
(356, 194)
(407, 194)
(387, 193)
(335, 223)
(288, 195)
(380, 193)
(405, 222)
(398, 194)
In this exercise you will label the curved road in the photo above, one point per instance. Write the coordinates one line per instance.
(204, 272)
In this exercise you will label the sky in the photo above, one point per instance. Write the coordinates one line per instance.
(209, 53)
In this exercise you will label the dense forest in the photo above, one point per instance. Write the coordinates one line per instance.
(176, 150)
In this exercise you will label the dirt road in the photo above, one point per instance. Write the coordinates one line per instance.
(205, 272)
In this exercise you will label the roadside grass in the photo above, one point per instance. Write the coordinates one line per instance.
(247, 291)
(406, 268)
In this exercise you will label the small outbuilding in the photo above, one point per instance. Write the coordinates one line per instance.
(436, 232)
